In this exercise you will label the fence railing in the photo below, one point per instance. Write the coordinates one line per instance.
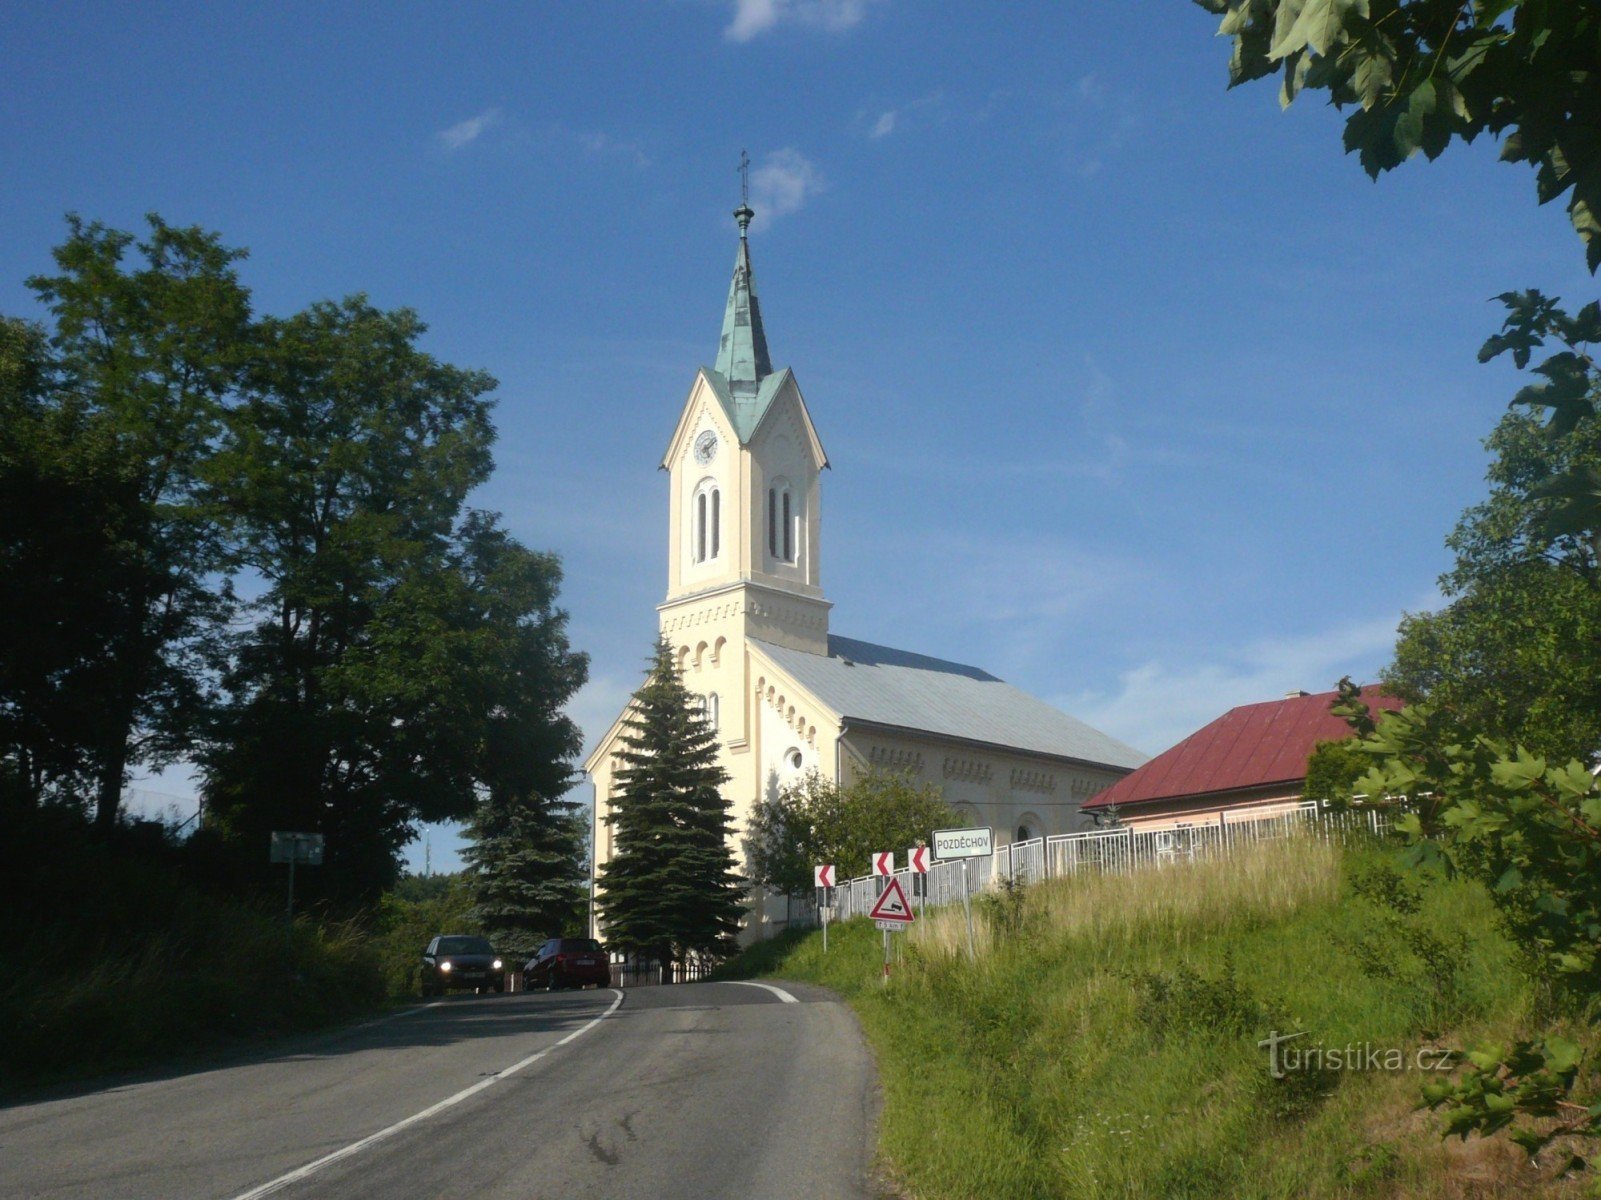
(1124, 849)
(631, 971)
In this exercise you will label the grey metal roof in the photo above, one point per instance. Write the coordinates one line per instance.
(877, 684)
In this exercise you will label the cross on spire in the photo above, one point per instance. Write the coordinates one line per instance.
(744, 212)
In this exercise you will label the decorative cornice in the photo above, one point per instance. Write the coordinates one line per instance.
(895, 760)
(973, 770)
(1025, 780)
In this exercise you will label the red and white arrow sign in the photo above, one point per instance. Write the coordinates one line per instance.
(884, 863)
(823, 876)
(917, 859)
(893, 905)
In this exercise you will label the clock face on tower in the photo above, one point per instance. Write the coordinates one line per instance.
(706, 447)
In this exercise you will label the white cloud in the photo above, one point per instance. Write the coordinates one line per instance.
(466, 132)
(600, 143)
(753, 18)
(884, 126)
(784, 182)
(1157, 704)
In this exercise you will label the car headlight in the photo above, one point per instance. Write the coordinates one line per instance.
(496, 965)
(444, 966)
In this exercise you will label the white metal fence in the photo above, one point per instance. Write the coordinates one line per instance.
(1122, 849)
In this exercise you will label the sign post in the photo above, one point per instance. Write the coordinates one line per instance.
(965, 844)
(823, 881)
(892, 912)
(295, 848)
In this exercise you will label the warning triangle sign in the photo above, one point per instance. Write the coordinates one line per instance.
(892, 905)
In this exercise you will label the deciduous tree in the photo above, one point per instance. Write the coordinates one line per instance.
(144, 356)
(1417, 74)
(814, 821)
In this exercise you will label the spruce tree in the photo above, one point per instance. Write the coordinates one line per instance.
(528, 877)
(670, 888)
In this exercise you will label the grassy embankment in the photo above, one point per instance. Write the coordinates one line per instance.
(1104, 1042)
(118, 958)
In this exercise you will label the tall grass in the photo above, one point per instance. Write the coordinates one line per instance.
(117, 957)
(1103, 1042)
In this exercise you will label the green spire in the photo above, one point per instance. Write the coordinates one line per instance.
(742, 353)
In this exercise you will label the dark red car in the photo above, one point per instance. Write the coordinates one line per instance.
(567, 962)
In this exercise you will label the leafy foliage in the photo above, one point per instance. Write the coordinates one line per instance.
(1420, 73)
(1530, 830)
(1517, 652)
(814, 821)
(418, 908)
(112, 552)
(1332, 770)
(398, 657)
(669, 888)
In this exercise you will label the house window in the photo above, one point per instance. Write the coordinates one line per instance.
(707, 534)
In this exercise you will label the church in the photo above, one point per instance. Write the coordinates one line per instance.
(747, 619)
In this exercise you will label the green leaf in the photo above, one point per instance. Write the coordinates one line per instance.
(1562, 1054)
(1314, 24)
(1420, 104)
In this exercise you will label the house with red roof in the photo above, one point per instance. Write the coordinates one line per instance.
(1248, 764)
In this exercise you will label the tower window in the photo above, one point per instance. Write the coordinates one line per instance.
(711, 708)
(706, 534)
(781, 514)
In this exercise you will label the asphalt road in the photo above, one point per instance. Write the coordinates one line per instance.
(697, 1091)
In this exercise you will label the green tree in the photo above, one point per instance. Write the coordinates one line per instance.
(361, 699)
(144, 356)
(814, 821)
(529, 874)
(409, 916)
(1333, 768)
(1517, 652)
(670, 888)
(1417, 74)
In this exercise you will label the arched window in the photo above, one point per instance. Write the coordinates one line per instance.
(706, 531)
(711, 708)
(781, 514)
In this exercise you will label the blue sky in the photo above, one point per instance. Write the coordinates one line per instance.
(1137, 392)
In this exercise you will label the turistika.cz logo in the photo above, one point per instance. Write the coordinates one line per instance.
(1285, 1059)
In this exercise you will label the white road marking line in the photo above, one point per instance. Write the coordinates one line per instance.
(356, 1147)
(777, 991)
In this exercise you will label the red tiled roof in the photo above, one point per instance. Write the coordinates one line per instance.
(1250, 746)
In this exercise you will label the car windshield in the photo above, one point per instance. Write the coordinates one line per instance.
(464, 945)
(580, 945)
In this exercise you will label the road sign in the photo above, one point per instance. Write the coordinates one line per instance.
(823, 876)
(893, 908)
(302, 848)
(917, 859)
(884, 863)
(963, 843)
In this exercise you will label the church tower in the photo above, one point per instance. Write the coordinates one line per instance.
(744, 507)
